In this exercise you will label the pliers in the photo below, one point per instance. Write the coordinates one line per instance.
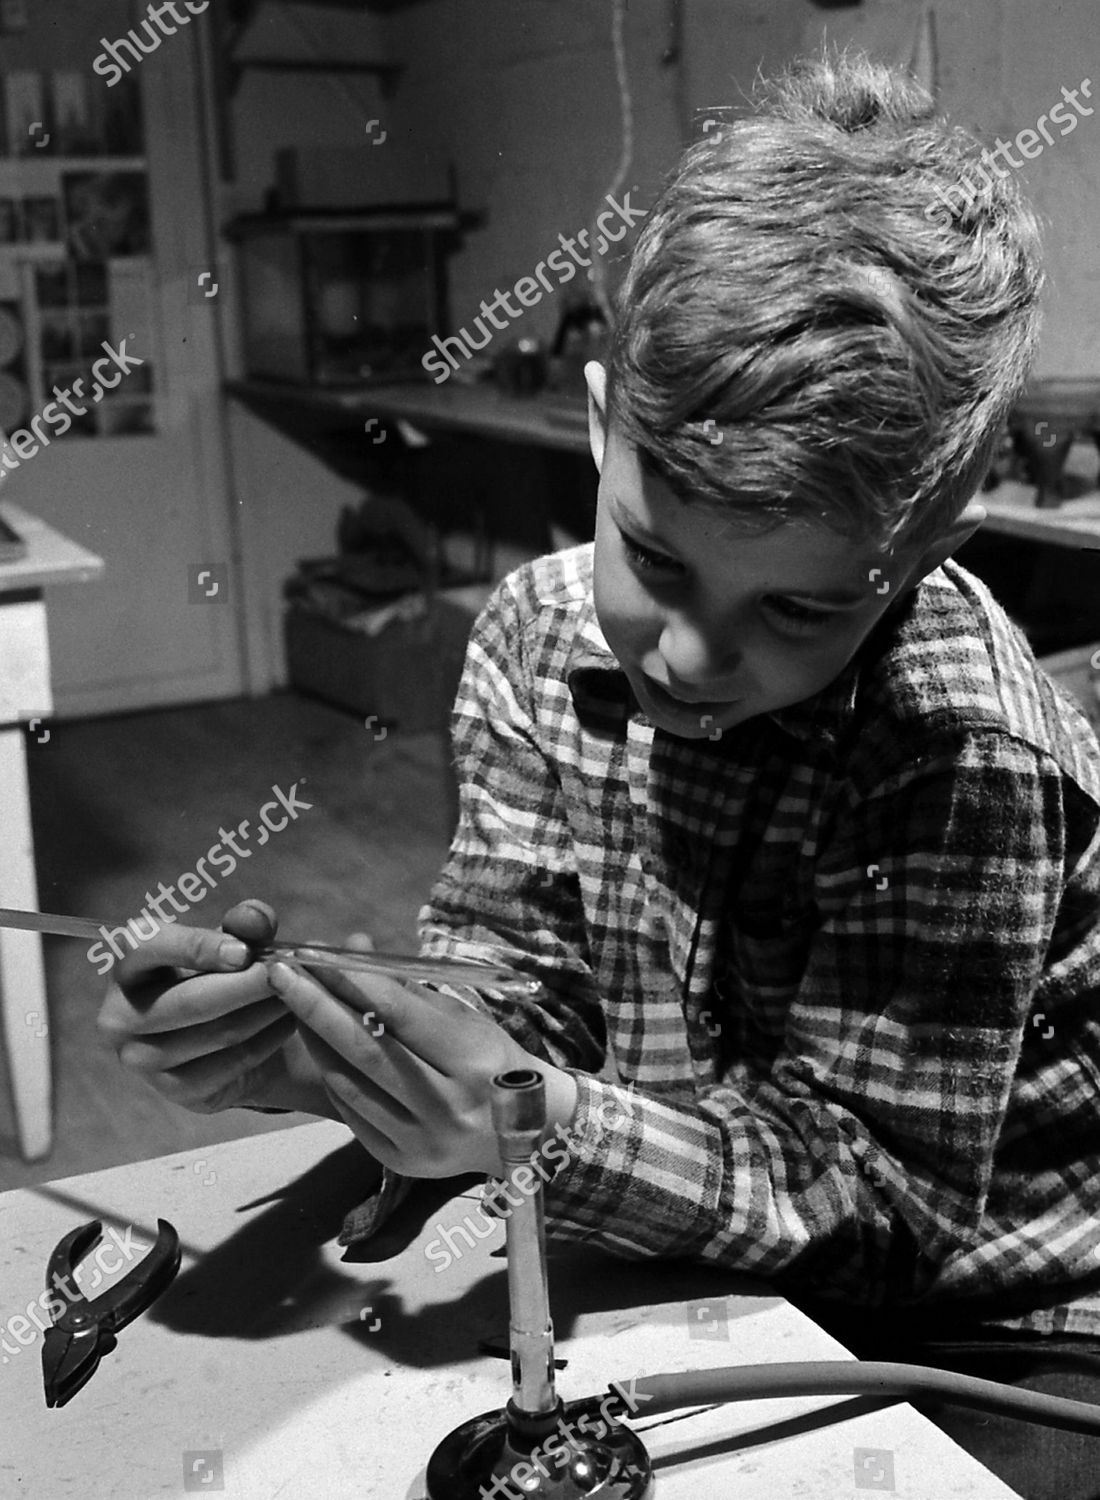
(84, 1331)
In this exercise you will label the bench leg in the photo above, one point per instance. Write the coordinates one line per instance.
(24, 1020)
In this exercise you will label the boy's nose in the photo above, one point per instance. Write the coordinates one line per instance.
(696, 664)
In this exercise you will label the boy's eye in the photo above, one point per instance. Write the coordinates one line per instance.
(794, 617)
(797, 616)
(642, 557)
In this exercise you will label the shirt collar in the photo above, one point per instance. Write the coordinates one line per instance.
(824, 716)
(591, 668)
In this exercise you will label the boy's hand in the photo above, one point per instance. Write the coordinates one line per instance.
(192, 1013)
(411, 1071)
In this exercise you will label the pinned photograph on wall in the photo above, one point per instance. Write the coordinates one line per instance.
(51, 284)
(23, 110)
(127, 418)
(123, 128)
(90, 277)
(57, 337)
(11, 221)
(72, 128)
(95, 330)
(12, 340)
(107, 214)
(41, 221)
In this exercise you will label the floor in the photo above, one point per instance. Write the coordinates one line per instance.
(122, 804)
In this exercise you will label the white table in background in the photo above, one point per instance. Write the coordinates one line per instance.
(26, 696)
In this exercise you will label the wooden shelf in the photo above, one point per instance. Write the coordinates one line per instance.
(1012, 511)
(379, 217)
(546, 420)
(560, 422)
(101, 163)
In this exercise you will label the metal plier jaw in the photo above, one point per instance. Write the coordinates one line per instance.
(84, 1331)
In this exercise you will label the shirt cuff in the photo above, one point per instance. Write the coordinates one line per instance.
(553, 1160)
(373, 1212)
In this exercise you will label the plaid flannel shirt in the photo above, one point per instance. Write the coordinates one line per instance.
(827, 983)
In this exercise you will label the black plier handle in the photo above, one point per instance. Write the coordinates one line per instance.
(84, 1331)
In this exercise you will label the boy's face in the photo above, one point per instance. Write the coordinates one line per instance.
(732, 625)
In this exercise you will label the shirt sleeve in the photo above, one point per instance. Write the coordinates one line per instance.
(509, 890)
(857, 1156)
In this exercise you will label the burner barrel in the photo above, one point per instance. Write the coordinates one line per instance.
(519, 1119)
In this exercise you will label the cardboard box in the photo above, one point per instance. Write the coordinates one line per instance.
(407, 674)
(394, 675)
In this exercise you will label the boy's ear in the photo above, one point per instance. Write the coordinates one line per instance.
(595, 377)
(961, 529)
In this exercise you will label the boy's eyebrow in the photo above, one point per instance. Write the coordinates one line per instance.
(622, 517)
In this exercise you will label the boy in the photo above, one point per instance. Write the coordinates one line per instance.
(774, 798)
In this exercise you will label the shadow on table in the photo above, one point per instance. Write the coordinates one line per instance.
(270, 1278)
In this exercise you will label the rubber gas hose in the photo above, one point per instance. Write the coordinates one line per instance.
(648, 1395)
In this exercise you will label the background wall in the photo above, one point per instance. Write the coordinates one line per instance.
(288, 501)
(1002, 64)
(529, 98)
(523, 98)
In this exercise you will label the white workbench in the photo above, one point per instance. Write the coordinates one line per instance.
(26, 703)
(275, 1368)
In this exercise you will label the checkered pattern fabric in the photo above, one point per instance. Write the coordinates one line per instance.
(829, 983)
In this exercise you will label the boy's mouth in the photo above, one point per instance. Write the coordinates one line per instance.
(694, 709)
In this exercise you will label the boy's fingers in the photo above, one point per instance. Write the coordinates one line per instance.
(364, 1100)
(352, 1018)
(150, 1008)
(176, 946)
(155, 1052)
(253, 921)
(225, 1078)
(422, 1021)
(366, 993)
